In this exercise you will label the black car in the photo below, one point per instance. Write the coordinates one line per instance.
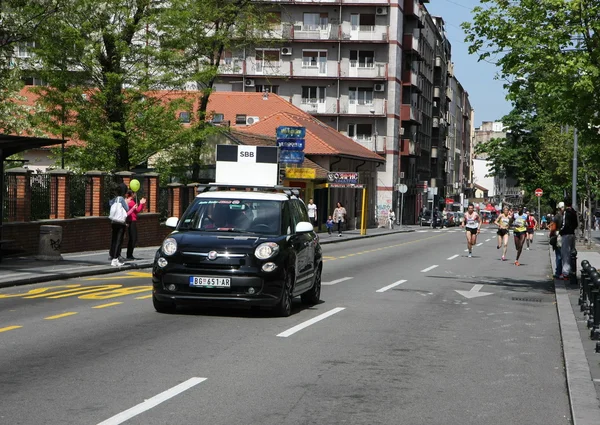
(239, 248)
(425, 219)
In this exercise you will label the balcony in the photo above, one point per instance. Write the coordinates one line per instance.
(315, 106)
(354, 69)
(410, 78)
(322, 69)
(438, 61)
(352, 107)
(373, 143)
(408, 147)
(272, 69)
(411, 113)
(449, 93)
(235, 67)
(412, 8)
(436, 92)
(364, 32)
(410, 42)
(315, 32)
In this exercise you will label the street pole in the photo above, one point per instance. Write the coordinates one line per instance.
(401, 208)
(539, 213)
(363, 224)
(574, 180)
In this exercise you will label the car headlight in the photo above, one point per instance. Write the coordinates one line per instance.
(169, 246)
(266, 250)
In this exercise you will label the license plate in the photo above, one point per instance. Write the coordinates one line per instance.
(211, 282)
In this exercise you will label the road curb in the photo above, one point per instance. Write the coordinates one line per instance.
(87, 271)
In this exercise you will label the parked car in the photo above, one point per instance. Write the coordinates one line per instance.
(425, 219)
(458, 217)
(449, 220)
(234, 247)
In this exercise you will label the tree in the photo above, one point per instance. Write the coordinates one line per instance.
(197, 36)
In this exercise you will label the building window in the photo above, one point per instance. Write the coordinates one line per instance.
(362, 22)
(23, 50)
(362, 59)
(274, 20)
(267, 58)
(315, 21)
(184, 117)
(240, 119)
(312, 95)
(315, 59)
(33, 81)
(360, 131)
(267, 88)
(360, 96)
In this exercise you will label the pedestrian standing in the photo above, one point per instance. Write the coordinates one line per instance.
(472, 223)
(567, 237)
(434, 218)
(312, 212)
(339, 217)
(134, 209)
(118, 227)
(554, 227)
(392, 218)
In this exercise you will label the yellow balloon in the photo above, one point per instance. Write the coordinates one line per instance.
(134, 185)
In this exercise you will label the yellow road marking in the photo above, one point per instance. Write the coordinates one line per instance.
(80, 290)
(119, 292)
(144, 297)
(107, 305)
(9, 328)
(38, 291)
(58, 316)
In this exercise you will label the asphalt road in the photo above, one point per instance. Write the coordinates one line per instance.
(395, 344)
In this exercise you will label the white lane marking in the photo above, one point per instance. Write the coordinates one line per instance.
(541, 234)
(385, 288)
(421, 231)
(152, 402)
(429, 268)
(479, 244)
(312, 321)
(466, 250)
(333, 282)
(453, 257)
(487, 240)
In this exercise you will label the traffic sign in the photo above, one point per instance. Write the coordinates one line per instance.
(539, 192)
(402, 188)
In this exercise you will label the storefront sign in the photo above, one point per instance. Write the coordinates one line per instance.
(291, 157)
(347, 186)
(291, 144)
(285, 132)
(342, 178)
(301, 173)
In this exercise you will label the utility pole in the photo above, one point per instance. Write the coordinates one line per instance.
(574, 179)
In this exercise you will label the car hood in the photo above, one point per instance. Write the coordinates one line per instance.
(205, 242)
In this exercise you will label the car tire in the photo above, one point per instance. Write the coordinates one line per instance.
(162, 307)
(284, 306)
(313, 295)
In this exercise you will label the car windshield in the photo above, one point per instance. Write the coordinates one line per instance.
(232, 215)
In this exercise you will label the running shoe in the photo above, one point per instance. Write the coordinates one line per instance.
(503, 258)
(517, 263)
(498, 247)
(527, 248)
(470, 255)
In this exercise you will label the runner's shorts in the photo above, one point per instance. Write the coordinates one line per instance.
(473, 231)
(502, 232)
(530, 230)
(518, 234)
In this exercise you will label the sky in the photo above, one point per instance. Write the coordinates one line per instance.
(486, 94)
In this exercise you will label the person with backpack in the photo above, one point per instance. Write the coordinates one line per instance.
(530, 222)
(118, 218)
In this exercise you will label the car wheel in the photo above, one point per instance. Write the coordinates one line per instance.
(162, 307)
(313, 295)
(284, 306)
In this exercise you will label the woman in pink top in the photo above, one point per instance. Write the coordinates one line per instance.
(134, 209)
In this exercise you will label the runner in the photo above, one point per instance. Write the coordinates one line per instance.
(520, 232)
(503, 222)
(531, 223)
(472, 222)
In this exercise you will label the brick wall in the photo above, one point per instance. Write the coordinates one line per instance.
(82, 234)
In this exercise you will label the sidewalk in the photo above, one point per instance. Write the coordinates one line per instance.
(28, 270)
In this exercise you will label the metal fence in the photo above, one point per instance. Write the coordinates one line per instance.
(163, 203)
(41, 196)
(78, 188)
(10, 199)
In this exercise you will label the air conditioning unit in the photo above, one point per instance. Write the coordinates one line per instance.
(379, 87)
(251, 120)
(381, 11)
(249, 82)
(286, 51)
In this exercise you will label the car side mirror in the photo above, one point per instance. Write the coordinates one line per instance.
(304, 227)
(172, 222)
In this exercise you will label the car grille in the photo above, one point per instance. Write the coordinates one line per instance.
(207, 265)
